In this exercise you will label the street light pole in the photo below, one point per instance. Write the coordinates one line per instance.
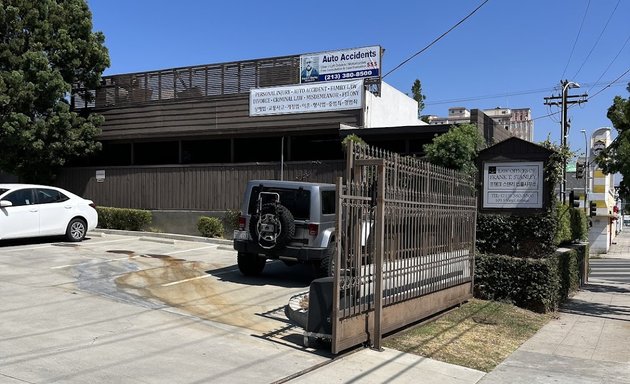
(587, 171)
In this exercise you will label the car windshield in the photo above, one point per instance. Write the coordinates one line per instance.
(3, 190)
(297, 201)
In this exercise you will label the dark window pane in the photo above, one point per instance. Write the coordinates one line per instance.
(328, 202)
(20, 197)
(316, 147)
(47, 196)
(155, 153)
(257, 149)
(297, 201)
(205, 151)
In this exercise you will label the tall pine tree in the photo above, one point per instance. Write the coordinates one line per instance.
(46, 47)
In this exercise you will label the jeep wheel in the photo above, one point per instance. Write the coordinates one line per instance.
(327, 264)
(250, 264)
(273, 226)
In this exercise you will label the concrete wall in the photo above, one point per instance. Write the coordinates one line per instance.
(599, 235)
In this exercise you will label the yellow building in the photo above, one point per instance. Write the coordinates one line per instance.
(602, 196)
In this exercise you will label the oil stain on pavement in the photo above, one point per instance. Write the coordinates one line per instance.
(189, 287)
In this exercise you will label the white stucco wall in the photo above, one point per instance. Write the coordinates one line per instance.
(602, 194)
(599, 236)
(393, 108)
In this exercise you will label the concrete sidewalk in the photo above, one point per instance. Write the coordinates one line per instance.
(588, 343)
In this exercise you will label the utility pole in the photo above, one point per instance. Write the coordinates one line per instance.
(565, 101)
(587, 170)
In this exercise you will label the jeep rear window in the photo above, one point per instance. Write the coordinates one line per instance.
(328, 202)
(298, 201)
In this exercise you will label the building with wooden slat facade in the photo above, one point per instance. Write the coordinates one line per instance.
(164, 128)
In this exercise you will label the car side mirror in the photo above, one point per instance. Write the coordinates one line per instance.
(5, 203)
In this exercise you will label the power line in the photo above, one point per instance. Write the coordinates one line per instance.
(547, 115)
(508, 94)
(589, 98)
(496, 96)
(598, 39)
(611, 63)
(608, 86)
(437, 39)
(576, 39)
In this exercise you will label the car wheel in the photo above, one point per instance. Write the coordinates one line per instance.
(250, 264)
(273, 226)
(76, 231)
(327, 264)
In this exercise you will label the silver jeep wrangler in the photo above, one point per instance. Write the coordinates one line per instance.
(287, 220)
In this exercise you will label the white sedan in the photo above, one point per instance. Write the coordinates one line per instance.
(28, 210)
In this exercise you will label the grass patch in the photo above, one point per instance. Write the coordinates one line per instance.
(480, 334)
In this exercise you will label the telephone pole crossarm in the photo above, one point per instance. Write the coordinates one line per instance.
(565, 101)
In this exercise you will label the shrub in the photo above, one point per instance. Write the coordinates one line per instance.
(527, 283)
(210, 226)
(536, 284)
(563, 231)
(230, 219)
(353, 138)
(123, 218)
(579, 224)
(523, 236)
(530, 236)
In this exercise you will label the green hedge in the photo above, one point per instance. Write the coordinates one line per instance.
(535, 236)
(210, 226)
(536, 284)
(524, 236)
(579, 224)
(123, 218)
(563, 231)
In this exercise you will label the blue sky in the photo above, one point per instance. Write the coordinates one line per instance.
(509, 53)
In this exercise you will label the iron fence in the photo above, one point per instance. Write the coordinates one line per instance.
(406, 232)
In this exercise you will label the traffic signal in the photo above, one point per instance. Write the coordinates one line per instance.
(579, 170)
(593, 209)
(573, 201)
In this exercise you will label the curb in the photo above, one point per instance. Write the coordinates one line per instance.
(159, 237)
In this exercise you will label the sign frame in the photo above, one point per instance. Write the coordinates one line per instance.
(346, 64)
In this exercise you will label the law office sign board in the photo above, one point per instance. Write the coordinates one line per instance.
(306, 98)
(513, 185)
(348, 64)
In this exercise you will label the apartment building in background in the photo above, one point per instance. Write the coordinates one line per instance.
(518, 121)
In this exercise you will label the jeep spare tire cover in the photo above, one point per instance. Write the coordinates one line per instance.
(273, 226)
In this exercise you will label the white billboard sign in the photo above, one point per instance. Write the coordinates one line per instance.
(356, 63)
(513, 185)
(306, 98)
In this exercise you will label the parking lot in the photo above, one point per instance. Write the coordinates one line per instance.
(134, 309)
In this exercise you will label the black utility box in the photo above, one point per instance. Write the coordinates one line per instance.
(320, 301)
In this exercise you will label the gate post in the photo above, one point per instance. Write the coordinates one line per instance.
(379, 222)
(334, 316)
